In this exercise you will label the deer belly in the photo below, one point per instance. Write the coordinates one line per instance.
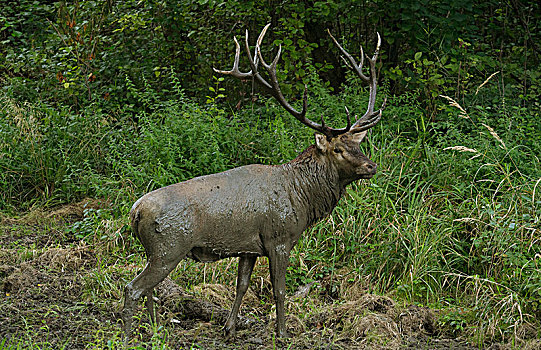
(201, 254)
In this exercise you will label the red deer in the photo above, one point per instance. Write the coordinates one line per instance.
(254, 210)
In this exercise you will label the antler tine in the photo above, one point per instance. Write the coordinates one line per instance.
(361, 64)
(253, 63)
(356, 67)
(349, 119)
(273, 87)
(376, 53)
(262, 35)
(235, 70)
(365, 120)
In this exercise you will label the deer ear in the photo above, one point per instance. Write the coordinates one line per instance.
(359, 136)
(321, 142)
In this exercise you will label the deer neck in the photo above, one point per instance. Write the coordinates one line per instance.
(315, 184)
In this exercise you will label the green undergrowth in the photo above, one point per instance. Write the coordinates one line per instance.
(451, 221)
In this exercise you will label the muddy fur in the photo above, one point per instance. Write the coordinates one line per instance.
(247, 212)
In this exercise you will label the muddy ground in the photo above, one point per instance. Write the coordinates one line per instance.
(59, 291)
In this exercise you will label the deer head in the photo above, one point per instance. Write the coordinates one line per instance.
(339, 146)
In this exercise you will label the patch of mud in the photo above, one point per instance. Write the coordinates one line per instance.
(368, 322)
(41, 299)
(68, 293)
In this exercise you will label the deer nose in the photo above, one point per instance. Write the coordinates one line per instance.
(371, 167)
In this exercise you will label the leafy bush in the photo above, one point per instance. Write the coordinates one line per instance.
(80, 52)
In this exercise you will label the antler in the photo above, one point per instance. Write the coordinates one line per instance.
(273, 87)
(371, 117)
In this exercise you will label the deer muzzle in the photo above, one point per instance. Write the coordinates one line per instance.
(368, 170)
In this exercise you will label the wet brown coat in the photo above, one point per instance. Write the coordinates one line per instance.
(246, 212)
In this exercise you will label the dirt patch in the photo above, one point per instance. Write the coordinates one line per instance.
(67, 259)
(417, 320)
(22, 278)
(50, 287)
(43, 297)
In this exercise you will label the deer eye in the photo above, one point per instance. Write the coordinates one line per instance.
(337, 150)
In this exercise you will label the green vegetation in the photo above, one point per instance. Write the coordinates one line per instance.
(109, 100)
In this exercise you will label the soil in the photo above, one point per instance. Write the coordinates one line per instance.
(55, 291)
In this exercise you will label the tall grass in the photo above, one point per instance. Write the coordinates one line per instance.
(447, 224)
(451, 220)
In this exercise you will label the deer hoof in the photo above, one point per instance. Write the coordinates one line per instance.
(283, 334)
(229, 331)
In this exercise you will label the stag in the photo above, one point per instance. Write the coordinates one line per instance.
(254, 210)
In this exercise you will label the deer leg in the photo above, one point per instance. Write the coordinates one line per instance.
(155, 271)
(278, 260)
(149, 304)
(246, 265)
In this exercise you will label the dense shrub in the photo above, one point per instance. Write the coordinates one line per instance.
(79, 52)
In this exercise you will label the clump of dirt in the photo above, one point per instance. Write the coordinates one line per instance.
(41, 271)
(369, 318)
(21, 278)
(67, 259)
(415, 320)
